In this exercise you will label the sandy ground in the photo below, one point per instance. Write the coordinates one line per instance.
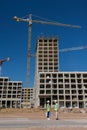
(62, 128)
(41, 114)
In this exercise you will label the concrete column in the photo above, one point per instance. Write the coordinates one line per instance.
(6, 103)
(10, 104)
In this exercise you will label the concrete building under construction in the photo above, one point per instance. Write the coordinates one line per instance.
(68, 88)
(13, 95)
(10, 93)
(27, 98)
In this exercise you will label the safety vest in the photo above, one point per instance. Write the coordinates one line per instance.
(56, 107)
(48, 107)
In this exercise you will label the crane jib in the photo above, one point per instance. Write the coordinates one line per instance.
(56, 24)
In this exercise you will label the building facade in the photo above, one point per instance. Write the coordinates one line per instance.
(46, 60)
(27, 98)
(13, 95)
(47, 55)
(68, 88)
(10, 93)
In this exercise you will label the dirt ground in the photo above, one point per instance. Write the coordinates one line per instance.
(62, 128)
(41, 114)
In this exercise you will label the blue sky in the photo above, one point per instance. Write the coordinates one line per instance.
(14, 35)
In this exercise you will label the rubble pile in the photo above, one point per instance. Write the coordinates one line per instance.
(73, 110)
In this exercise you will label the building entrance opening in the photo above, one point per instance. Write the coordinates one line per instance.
(8, 104)
(42, 102)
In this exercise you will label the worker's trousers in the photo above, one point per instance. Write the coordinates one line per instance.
(56, 115)
(48, 114)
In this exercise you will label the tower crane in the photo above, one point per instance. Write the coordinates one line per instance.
(30, 21)
(73, 49)
(1, 62)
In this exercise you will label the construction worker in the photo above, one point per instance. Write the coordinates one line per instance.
(48, 110)
(56, 108)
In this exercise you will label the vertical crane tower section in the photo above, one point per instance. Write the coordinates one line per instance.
(29, 49)
(30, 21)
(1, 62)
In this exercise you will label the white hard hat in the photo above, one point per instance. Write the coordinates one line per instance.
(55, 101)
(48, 101)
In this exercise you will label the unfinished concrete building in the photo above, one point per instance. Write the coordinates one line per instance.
(13, 95)
(68, 88)
(27, 98)
(10, 93)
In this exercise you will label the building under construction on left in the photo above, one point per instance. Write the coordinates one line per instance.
(12, 95)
